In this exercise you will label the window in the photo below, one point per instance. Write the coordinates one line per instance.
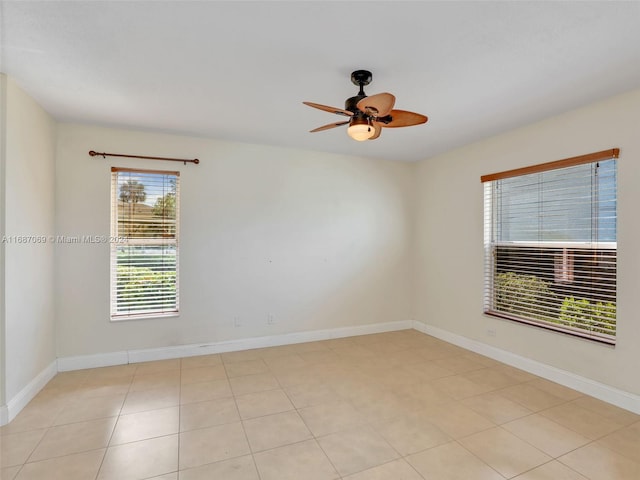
(145, 208)
(550, 245)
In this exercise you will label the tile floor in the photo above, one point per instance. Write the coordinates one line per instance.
(393, 406)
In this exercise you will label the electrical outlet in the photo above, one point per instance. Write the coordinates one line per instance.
(271, 319)
(236, 322)
(491, 332)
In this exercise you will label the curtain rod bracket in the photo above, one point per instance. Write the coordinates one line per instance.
(93, 153)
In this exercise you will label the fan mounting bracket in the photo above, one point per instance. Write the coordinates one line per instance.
(361, 78)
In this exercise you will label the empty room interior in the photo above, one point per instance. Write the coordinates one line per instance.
(260, 240)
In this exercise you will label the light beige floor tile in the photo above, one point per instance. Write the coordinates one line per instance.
(168, 476)
(585, 422)
(74, 438)
(608, 411)
(137, 460)
(249, 367)
(34, 416)
(239, 468)
(496, 408)
(354, 352)
(307, 395)
(319, 357)
(263, 403)
(307, 347)
(253, 383)
(459, 364)
(332, 417)
(83, 409)
(458, 387)
(599, 463)
(286, 362)
(212, 444)
(157, 366)
(144, 425)
(276, 430)
(423, 394)
(199, 392)
(297, 376)
(411, 434)
(208, 414)
(551, 471)
(490, 378)
(395, 470)
(456, 420)
(206, 373)
(68, 379)
(531, 397)
(504, 452)
(546, 435)
(9, 473)
(304, 460)
(517, 374)
(378, 406)
(100, 387)
(556, 389)
(241, 356)
(358, 449)
(451, 462)
(201, 361)
(16, 448)
(625, 441)
(151, 400)
(481, 359)
(163, 379)
(79, 466)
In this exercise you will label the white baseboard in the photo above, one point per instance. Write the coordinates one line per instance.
(150, 354)
(606, 393)
(14, 406)
(80, 362)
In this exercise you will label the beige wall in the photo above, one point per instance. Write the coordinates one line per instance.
(318, 241)
(448, 276)
(28, 265)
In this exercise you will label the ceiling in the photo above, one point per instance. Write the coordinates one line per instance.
(240, 70)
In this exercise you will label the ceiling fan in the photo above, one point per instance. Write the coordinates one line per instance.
(367, 115)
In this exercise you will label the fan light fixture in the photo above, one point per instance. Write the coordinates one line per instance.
(360, 129)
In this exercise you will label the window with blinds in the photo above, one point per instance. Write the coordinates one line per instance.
(145, 208)
(550, 245)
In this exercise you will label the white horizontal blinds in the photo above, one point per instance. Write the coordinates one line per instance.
(550, 246)
(144, 254)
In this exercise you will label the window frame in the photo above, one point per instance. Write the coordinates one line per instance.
(120, 240)
(491, 245)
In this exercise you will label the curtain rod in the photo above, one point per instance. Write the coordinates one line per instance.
(105, 155)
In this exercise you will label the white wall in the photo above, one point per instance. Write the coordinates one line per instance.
(3, 152)
(318, 241)
(449, 238)
(28, 267)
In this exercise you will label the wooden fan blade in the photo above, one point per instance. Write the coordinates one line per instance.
(378, 105)
(402, 118)
(337, 111)
(328, 126)
(378, 130)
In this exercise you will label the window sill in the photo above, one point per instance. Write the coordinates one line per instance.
(143, 316)
(554, 328)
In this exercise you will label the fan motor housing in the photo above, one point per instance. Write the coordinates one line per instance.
(351, 104)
